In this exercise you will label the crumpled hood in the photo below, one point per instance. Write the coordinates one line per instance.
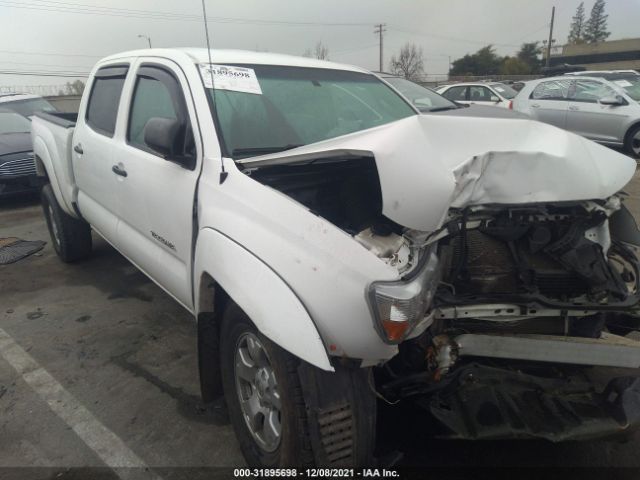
(428, 164)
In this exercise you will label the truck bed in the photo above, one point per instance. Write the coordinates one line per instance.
(66, 120)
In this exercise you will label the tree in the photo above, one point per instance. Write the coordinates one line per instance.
(321, 52)
(483, 62)
(577, 29)
(514, 66)
(596, 28)
(529, 54)
(409, 63)
(75, 88)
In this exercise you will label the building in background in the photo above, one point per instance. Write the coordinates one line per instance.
(613, 55)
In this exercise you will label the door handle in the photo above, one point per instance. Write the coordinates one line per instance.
(535, 105)
(573, 108)
(119, 171)
(78, 149)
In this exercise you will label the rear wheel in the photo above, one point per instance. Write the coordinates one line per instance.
(632, 142)
(70, 236)
(263, 395)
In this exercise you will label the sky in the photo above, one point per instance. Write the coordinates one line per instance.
(70, 35)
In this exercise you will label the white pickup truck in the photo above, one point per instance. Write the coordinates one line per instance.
(339, 249)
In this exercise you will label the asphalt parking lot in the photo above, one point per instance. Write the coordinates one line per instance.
(97, 362)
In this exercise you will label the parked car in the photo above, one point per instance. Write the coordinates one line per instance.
(25, 104)
(495, 94)
(605, 111)
(336, 247)
(17, 164)
(429, 101)
(607, 74)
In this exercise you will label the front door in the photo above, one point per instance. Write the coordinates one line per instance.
(157, 189)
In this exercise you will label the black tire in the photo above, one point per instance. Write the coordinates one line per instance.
(71, 238)
(630, 144)
(294, 449)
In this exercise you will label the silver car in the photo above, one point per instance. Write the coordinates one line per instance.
(607, 112)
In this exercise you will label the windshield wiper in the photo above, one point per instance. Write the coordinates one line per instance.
(250, 151)
(442, 109)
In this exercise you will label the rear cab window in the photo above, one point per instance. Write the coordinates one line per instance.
(104, 99)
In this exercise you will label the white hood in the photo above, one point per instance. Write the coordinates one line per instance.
(428, 164)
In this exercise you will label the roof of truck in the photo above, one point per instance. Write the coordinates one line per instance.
(200, 55)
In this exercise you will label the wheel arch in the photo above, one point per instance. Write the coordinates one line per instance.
(227, 272)
(630, 129)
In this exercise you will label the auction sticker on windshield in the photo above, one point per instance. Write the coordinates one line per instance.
(224, 77)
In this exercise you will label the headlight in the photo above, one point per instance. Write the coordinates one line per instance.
(398, 307)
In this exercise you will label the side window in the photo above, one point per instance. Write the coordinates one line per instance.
(102, 109)
(552, 90)
(479, 94)
(591, 91)
(157, 94)
(456, 93)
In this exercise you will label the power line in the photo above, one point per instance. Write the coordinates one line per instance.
(452, 39)
(64, 7)
(48, 65)
(44, 74)
(51, 54)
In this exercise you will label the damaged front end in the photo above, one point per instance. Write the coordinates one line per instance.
(530, 297)
(517, 269)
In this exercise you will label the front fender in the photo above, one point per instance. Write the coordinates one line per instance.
(261, 293)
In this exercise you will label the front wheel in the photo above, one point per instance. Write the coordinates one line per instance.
(263, 395)
(632, 142)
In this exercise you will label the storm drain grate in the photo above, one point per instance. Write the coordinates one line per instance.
(13, 249)
(336, 433)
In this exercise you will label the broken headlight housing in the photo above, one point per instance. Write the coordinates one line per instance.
(399, 307)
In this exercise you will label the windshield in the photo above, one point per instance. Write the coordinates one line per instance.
(631, 87)
(424, 99)
(29, 107)
(13, 123)
(299, 106)
(504, 90)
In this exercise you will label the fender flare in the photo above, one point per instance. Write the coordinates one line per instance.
(261, 293)
(42, 156)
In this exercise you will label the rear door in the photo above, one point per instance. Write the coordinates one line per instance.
(589, 118)
(92, 150)
(548, 102)
(157, 191)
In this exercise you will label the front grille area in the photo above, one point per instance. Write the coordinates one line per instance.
(17, 165)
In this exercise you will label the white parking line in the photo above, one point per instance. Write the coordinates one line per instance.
(106, 444)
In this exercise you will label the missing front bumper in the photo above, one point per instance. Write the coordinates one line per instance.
(608, 350)
(494, 403)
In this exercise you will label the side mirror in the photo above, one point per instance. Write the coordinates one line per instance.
(495, 99)
(612, 101)
(162, 135)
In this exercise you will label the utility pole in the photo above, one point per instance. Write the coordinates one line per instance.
(379, 29)
(553, 13)
(147, 37)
